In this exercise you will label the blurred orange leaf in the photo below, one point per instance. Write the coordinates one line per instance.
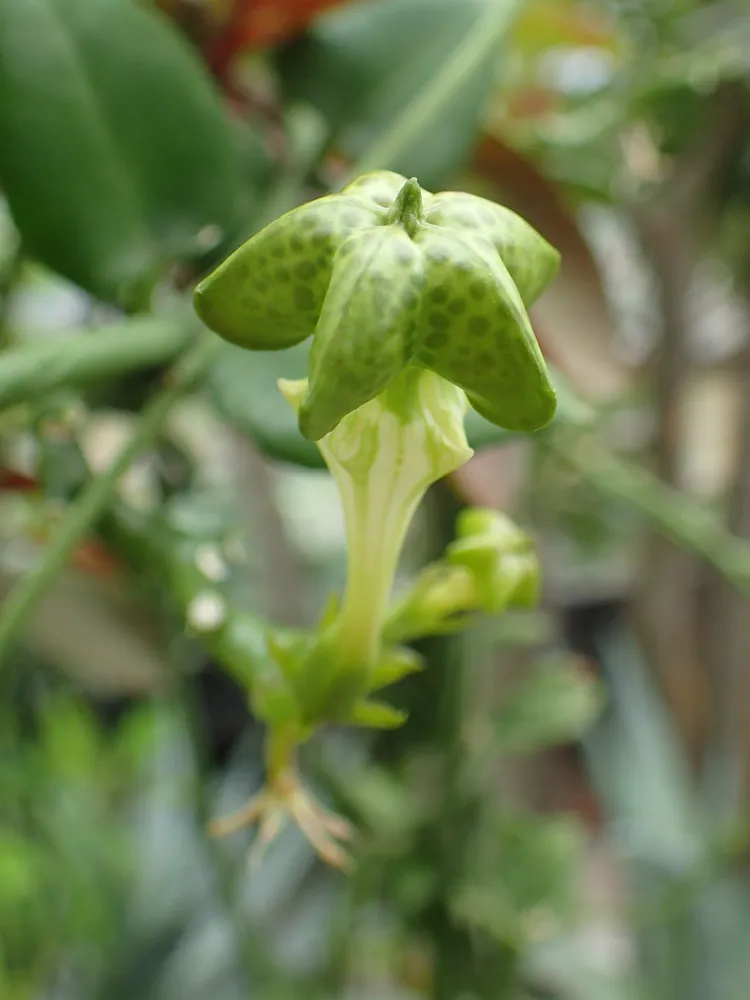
(93, 558)
(259, 24)
(16, 482)
(531, 102)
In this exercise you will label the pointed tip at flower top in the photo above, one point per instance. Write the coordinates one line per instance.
(407, 209)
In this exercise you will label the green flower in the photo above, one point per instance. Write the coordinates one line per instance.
(416, 304)
(386, 276)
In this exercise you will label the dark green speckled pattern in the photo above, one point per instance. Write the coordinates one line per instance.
(530, 260)
(379, 291)
(269, 293)
(368, 327)
(474, 331)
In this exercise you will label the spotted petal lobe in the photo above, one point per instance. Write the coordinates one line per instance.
(475, 332)
(268, 294)
(531, 261)
(367, 327)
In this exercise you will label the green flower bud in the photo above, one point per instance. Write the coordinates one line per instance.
(500, 557)
(437, 603)
(387, 276)
(490, 566)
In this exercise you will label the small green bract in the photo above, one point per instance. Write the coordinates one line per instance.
(387, 275)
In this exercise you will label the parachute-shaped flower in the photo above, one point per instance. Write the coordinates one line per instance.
(386, 275)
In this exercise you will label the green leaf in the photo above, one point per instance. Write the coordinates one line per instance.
(554, 704)
(116, 155)
(530, 889)
(376, 715)
(395, 663)
(72, 744)
(20, 872)
(427, 64)
(38, 369)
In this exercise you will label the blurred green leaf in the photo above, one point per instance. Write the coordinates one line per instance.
(19, 872)
(383, 803)
(243, 386)
(71, 741)
(531, 888)
(395, 663)
(116, 155)
(377, 715)
(39, 369)
(364, 64)
(555, 703)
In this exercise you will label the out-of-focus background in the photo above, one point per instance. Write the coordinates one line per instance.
(565, 814)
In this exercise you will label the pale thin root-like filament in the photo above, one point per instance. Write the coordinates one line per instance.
(269, 809)
(336, 825)
(314, 829)
(245, 816)
(270, 824)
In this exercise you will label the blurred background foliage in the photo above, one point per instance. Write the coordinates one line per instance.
(564, 815)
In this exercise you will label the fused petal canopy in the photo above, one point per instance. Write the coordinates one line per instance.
(386, 275)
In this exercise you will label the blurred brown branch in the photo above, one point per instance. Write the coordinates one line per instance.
(673, 225)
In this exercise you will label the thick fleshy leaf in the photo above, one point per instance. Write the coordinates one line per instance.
(116, 155)
(367, 328)
(268, 294)
(476, 333)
